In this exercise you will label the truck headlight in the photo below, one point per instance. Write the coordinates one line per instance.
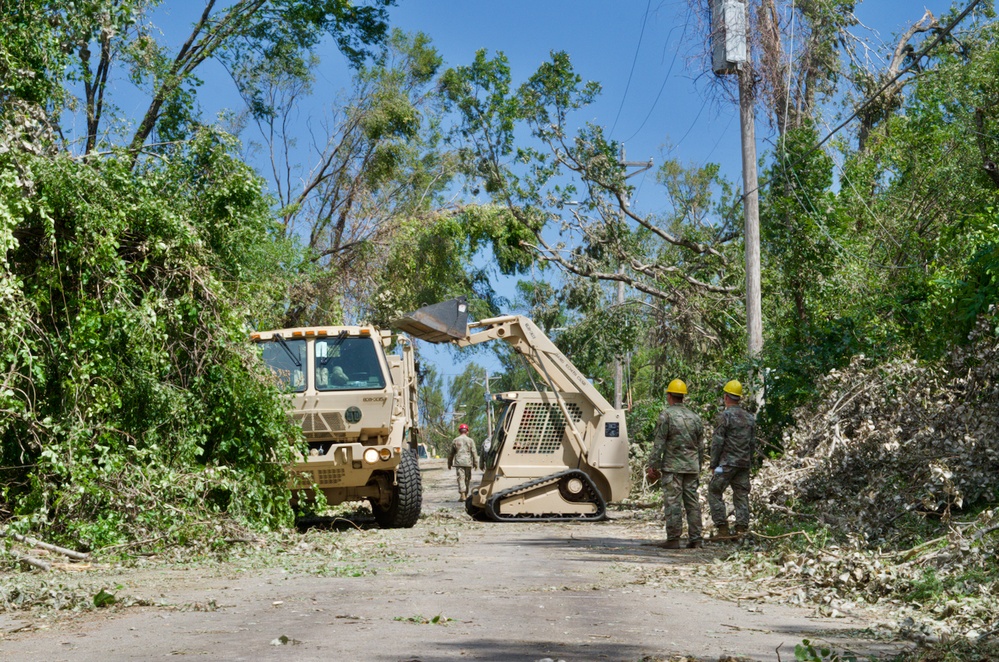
(371, 455)
(385, 454)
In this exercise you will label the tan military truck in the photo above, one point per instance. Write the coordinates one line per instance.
(556, 454)
(357, 405)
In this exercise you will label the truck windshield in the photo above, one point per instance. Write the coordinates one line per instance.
(287, 360)
(344, 363)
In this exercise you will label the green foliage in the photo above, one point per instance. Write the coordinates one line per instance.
(32, 54)
(441, 257)
(962, 290)
(801, 229)
(140, 407)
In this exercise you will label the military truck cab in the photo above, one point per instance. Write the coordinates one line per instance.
(357, 406)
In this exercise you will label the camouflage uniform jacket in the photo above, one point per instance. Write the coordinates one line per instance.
(678, 442)
(734, 440)
(462, 452)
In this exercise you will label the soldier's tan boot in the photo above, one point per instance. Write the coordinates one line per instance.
(462, 496)
(740, 531)
(695, 544)
(670, 544)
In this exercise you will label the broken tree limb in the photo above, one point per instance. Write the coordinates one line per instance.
(28, 540)
(30, 560)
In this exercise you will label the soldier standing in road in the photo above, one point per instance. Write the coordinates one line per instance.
(732, 448)
(463, 457)
(678, 454)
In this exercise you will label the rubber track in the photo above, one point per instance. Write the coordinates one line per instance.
(407, 501)
(591, 495)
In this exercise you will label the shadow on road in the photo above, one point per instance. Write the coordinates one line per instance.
(630, 550)
(505, 650)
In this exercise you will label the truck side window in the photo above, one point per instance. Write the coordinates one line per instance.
(287, 361)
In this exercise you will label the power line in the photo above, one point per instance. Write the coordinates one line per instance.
(638, 47)
(665, 79)
(914, 62)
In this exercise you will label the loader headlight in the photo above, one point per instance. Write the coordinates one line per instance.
(371, 455)
(385, 454)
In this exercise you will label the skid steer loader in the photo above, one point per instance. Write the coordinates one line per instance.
(556, 454)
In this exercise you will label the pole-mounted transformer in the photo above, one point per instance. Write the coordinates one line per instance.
(728, 35)
(730, 55)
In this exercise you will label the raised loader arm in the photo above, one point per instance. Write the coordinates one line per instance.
(447, 322)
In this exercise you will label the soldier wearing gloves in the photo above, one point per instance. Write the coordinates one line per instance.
(463, 457)
(732, 448)
(678, 454)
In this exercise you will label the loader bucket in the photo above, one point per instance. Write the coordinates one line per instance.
(437, 323)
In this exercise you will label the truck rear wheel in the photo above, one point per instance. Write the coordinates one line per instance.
(407, 496)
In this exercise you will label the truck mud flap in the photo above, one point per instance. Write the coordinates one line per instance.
(572, 486)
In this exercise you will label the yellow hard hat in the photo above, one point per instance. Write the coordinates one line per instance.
(677, 386)
(733, 388)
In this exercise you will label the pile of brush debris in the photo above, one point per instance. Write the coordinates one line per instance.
(884, 441)
(887, 456)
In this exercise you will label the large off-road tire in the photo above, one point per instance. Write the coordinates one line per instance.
(407, 497)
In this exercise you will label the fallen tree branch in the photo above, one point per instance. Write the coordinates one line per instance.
(784, 535)
(30, 560)
(909, 553)
(28, 540)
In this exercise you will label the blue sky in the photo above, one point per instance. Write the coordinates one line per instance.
(643, 53)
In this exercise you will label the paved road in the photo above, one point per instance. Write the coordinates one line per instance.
(502, 591)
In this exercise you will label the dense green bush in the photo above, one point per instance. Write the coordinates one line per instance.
(134, 406)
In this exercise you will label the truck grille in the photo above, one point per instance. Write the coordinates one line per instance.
(324, 477)
(331, 421)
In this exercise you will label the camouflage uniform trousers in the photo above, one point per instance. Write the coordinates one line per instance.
(464, 475)
(680, 494)
(738, 478)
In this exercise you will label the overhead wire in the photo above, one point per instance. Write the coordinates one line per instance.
(790, 168)
(912, 64)
(634, 60)
(915, 60)
(873, 97)
(669, 72)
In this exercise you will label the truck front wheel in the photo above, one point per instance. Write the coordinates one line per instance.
(407, 496)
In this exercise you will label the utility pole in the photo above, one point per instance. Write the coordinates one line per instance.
(751, 210)
(618, 360)
(730, 55)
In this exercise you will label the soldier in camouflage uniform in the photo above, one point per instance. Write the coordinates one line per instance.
(732, 448)
(678, 453)
(463, 457)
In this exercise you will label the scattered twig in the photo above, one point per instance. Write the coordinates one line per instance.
(785, 535)
(910, 553)
(134, 543)
(984, 532)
